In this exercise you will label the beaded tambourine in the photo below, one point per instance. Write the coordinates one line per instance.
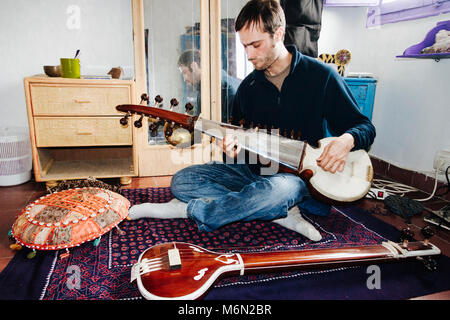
(69, 218)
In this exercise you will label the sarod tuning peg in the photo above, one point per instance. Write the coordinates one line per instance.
(188, 107)
(138, 123)
(406, 235)
(158, 101)
(124, 120)
(173, 103)
(144, 97)
(427, 233)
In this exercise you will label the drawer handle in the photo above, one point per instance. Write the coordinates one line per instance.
(84, 133)
(81, 101)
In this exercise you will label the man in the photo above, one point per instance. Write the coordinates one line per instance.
(289, 91)
(189, 65)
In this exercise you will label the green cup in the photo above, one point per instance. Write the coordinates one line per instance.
(70, 68)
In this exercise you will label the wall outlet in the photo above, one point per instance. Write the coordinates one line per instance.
(441, 160)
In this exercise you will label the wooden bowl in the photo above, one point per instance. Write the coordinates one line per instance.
(53, 71)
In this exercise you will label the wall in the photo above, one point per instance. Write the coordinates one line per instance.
(36, 33)
(411, 112)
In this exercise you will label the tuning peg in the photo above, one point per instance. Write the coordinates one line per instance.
(189, 107)
(173, 103)
(144, 97)
(406, 235)
(242, 123)
(299, 135)
(427, 233)
(158, 101)
(124, 120)
(138, 123)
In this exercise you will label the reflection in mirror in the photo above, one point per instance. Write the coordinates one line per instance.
(172, 46)
(235, 66)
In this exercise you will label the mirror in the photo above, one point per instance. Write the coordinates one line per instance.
(172, 54)
(235, 66)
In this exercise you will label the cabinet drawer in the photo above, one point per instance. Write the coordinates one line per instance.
(81, 131)
(77, 99)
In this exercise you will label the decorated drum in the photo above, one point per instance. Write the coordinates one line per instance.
(69, 218)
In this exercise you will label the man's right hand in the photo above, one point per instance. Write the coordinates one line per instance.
(230, 146)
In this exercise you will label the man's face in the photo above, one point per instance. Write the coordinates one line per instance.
(191, 75)
(259, 46)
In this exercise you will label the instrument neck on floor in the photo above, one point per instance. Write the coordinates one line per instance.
(314, 257)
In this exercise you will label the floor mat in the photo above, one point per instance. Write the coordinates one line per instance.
(103, 272)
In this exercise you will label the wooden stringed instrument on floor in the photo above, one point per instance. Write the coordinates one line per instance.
(293, 156)
(181, 270)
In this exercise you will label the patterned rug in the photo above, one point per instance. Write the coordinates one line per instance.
(104, 271)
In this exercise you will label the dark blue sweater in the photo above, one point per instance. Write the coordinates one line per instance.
(312, 92)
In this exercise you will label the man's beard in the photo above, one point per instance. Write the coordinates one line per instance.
(267, 61)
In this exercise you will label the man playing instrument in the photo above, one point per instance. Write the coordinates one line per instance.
(289, 91)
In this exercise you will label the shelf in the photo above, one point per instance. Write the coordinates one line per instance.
(82, 163)
(414, 50)
(83, 169)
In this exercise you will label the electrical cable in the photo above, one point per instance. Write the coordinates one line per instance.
(434, 189)
(400, 189)
(445, 186)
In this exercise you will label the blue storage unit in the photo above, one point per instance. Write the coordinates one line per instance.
(363, 89)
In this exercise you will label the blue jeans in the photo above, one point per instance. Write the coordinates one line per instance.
(218, 194)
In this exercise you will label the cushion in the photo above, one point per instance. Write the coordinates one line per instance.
(69, 218)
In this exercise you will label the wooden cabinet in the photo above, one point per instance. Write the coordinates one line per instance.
(75, 130)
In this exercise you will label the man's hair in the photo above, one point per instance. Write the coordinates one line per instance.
(189, 56)
(267, 12)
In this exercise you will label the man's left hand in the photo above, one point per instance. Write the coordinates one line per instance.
(335, 153)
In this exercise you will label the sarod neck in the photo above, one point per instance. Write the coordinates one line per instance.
(274, 147)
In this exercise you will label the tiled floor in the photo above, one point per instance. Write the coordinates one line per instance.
(13, 199)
